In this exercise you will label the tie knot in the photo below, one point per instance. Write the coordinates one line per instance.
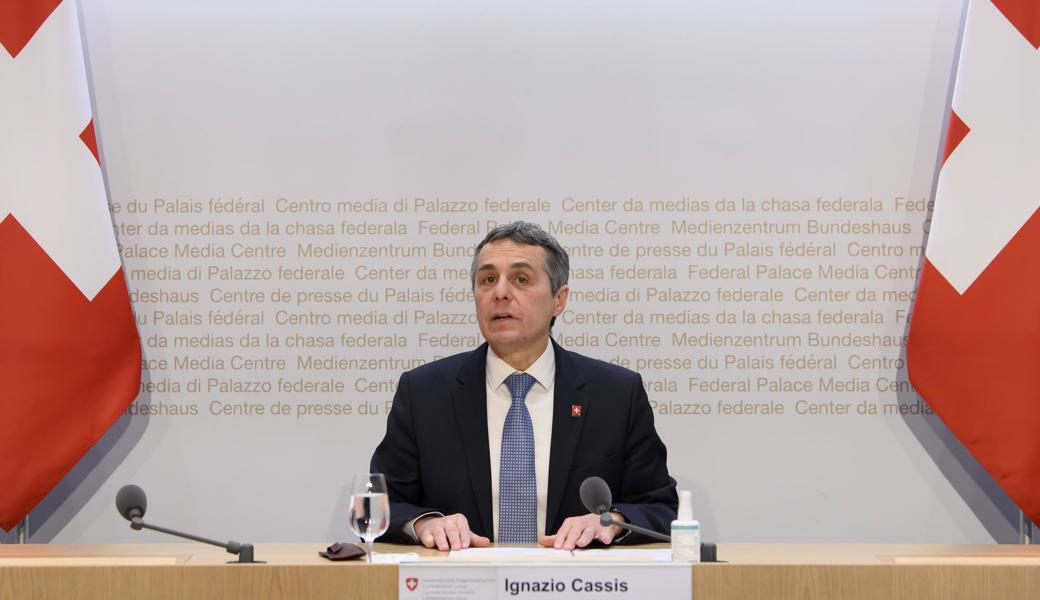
(519, 384)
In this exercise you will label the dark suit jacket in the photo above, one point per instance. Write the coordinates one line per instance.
(435, 452)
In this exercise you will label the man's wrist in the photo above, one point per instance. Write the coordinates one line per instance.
(409, 527)
(617, 531)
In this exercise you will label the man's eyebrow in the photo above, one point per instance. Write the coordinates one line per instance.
(517, 265)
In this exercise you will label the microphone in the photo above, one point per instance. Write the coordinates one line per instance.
(131, 503)
(595, 495)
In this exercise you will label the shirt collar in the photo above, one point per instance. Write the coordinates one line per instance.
(543, 370)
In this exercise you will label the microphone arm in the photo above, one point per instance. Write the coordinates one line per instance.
(605, 519)
(595, 495)
(243, 551)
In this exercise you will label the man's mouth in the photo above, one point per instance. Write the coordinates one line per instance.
(501, 317)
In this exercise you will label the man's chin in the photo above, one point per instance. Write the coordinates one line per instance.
(504, 343)
(501, 340)
(507, 341)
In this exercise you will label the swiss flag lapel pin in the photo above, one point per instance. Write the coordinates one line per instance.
(575, 410)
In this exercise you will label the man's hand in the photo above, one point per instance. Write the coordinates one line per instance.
(578, 532)
(447, 533)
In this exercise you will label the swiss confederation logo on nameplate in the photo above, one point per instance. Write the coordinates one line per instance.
(443, 581)
(417, 581)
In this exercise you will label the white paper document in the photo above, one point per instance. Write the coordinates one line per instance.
(625, 554)
(593, 555)
(508, 554)
(394, 558)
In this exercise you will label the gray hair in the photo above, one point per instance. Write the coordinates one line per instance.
(557, 263)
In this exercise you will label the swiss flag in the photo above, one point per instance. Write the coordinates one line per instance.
(974, 348)
(70, 356)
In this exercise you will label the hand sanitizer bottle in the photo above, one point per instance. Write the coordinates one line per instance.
(686, 533)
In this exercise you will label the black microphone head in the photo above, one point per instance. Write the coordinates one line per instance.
(131, 501)
(595, 495)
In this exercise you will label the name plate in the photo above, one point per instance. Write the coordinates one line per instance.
(439, 581)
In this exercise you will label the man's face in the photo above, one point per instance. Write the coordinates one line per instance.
(514, 297)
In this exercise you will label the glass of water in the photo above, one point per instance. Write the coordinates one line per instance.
(369, 509)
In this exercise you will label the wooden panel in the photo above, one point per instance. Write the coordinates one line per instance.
(201, 583)
(967, 582)
(754, 572)
(1025, 561)
(88, 561)
(802, 582)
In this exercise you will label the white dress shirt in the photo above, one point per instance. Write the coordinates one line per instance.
(539, 403)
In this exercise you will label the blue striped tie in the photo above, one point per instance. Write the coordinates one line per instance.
(517, 492)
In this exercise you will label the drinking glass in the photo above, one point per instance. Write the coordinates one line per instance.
(369, 509)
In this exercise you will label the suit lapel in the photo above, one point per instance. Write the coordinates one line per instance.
(469, 399)
(566, 429)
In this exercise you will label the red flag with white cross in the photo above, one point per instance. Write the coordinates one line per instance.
(974, 347)
(70, 356)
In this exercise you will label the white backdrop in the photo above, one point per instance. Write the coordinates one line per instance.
(743, 187)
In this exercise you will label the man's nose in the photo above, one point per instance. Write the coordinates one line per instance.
(502, 289)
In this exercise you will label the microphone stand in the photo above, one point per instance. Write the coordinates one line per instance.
(243, 551)
(605, 519)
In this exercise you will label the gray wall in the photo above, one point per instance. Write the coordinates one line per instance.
(787, 147)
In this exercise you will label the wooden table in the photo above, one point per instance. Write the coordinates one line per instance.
(752, 571)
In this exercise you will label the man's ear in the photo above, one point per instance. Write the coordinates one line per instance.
(561, 299)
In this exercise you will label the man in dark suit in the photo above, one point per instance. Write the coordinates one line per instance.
(493, 444)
